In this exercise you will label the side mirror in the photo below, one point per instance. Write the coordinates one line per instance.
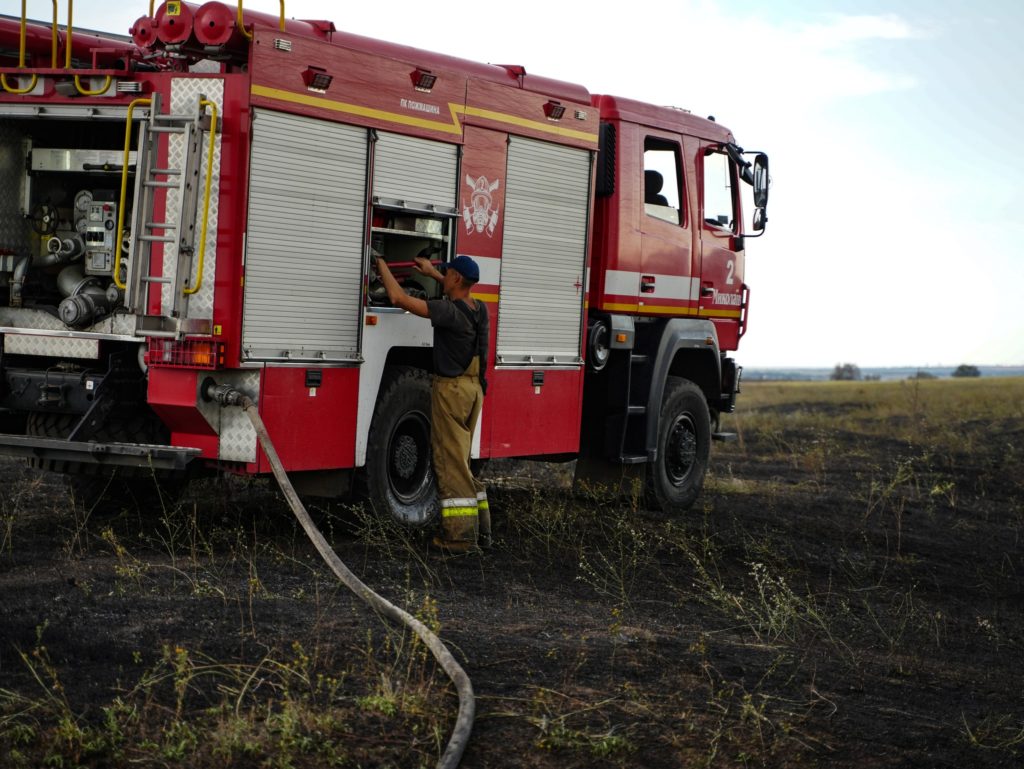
(760, 219)
(760, 180)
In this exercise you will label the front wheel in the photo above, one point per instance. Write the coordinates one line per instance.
(675, 479)
(399, 473)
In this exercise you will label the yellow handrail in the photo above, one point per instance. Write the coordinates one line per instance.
(21, 52)
(124, 189)
(67, 61)
(206, 197)
(87, 92)
(67, 40)
(18, 91)
(53, 55)
(241, 23)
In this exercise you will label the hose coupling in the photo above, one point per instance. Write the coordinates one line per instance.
(225, 395)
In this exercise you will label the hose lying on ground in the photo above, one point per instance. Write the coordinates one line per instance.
(228, 396)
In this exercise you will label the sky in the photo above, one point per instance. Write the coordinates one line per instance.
(894, 235)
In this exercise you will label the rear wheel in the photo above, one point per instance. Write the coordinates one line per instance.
(44, 424)
(675, 479)
(399, 473)
(106, 486)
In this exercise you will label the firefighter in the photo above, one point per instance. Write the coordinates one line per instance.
(460, 361)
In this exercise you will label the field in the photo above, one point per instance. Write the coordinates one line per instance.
(848, 592)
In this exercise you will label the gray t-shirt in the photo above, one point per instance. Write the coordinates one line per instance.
(455, 335)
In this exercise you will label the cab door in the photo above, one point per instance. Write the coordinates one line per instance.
(667, 270)
(721, 265)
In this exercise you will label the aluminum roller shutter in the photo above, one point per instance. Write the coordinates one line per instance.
(303, 263)
(540, 309)
(415, 173)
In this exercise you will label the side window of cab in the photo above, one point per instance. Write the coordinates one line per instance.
(662, 183)
(719, 191)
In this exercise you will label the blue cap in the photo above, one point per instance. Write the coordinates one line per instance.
(463, 265)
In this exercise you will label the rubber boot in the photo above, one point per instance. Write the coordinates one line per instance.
(459, 526)
(483, 512)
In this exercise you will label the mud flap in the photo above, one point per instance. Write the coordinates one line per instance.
(597, 477)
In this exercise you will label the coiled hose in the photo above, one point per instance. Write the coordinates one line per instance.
(229, 396)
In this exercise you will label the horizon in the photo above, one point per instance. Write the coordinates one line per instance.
(897, 367)
(873, 373)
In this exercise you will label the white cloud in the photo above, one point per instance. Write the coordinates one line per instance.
(797, 67)
(849, 29)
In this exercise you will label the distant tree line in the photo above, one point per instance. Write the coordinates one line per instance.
(966, 369)
(850, 372)
(845, 372)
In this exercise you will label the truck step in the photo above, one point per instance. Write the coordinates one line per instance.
(724, 437)
(633, 459)
(162, 118)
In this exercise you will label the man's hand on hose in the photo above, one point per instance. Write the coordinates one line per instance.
(398, 297)
(425, 267)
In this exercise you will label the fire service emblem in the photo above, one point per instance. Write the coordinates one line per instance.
(480, 213)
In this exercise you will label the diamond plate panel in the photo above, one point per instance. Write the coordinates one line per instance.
(184, 92)
(56, 347)
(13, 226)
(120, 325)
(237, 436)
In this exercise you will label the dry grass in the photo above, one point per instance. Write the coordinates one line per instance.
(906, 410)
(856, 546)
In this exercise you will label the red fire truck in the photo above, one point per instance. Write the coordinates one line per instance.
(198, 203)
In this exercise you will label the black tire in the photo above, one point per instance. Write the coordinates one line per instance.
(104, 486)
(399, 474)
(44, 424)
(598, 346)
(674, 481)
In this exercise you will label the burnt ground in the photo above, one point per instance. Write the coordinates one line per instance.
(834, 599)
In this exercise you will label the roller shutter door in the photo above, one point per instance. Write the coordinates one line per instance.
(415, 173)
(303, 268)
(540, 310)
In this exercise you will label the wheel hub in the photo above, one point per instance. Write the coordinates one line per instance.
(409, 454)
(405, 456)
(680, 449)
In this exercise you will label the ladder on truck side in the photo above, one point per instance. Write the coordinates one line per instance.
(626, 423)
(176, 225)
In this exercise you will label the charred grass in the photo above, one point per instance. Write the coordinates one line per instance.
(848, 591)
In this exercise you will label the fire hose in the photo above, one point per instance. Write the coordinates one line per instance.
(229, 396)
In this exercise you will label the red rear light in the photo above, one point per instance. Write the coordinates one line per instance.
(190, 353)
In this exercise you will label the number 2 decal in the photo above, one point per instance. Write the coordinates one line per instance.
(731, 266)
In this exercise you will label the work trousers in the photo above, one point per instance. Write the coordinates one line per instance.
(455, 409)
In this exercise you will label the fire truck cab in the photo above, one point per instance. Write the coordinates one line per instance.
(668, 300)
